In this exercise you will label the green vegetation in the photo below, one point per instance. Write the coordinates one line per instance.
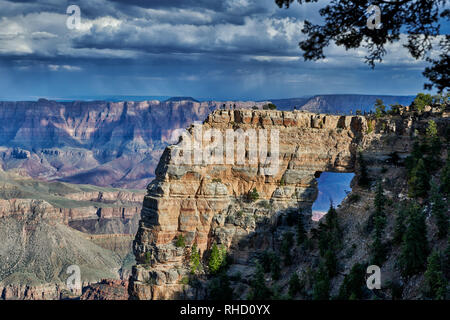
(275, 268)
(419, 182)
(329, 238)
(219, 288)
(184, 280)
(395, 109)
(180, 243)
(439, 211)
(378, 249)
(354, 284)
(424, 161)
(294, 285)
(217, 259)
(354, 197)
(394, 158)
(217, 180)
(270, 263)
(147, 258)
(415, 244)
(445, 177)
(270, 106)
(399, 227)
(435, 281)
(253, 195)
(195, 262)
(258, 287)
(370, 126)
(330, 261)
(380, 108)
(321, 286)
(421, 101)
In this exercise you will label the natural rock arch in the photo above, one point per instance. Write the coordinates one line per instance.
(205, 203)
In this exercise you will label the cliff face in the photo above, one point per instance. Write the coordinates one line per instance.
(119, 143)
(208, 203)
(46, 227)
(101, 143)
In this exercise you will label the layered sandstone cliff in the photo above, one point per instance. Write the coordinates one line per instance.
(208, 203)
(101, 143)
(46, 227)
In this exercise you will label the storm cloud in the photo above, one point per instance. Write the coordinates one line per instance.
(220, 49)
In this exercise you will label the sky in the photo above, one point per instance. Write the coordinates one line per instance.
(208, 49)
(332, 186)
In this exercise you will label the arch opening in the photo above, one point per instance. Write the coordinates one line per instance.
(333, 187)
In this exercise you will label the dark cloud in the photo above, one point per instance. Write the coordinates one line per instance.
(203, 48)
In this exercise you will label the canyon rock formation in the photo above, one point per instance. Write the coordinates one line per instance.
(47, 226)
(101, 143)
(212, 203)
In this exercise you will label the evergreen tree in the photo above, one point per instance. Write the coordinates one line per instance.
(416, 154)
(399, 228)
(445, 177)
(219, 288)
(421, 101)
(432, 132)
(253, 195)
(266, 260)
(259, 290)
(439, 211)
(419, 183)
(331, 218)
(294, 285)
(435, 282)
(331, 262)
(180, 243)
(353, 284)
(415, 244)
(363, 180)
(378, 247)
(380, 216)
(446, 259)
(301, 232)
(329, 232)
(380, 108)
(217, 259)
(195, 259)
(270, 263)
(321, 286)
(433, 141)
(275, 268)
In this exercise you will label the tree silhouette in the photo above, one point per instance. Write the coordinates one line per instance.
(345, 24)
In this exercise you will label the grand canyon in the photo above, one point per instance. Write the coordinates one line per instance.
(73, 187)
(222, 158)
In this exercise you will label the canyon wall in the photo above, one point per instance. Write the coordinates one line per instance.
(209, 203)
(119, 144)
(47, 226)
(101, 143)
